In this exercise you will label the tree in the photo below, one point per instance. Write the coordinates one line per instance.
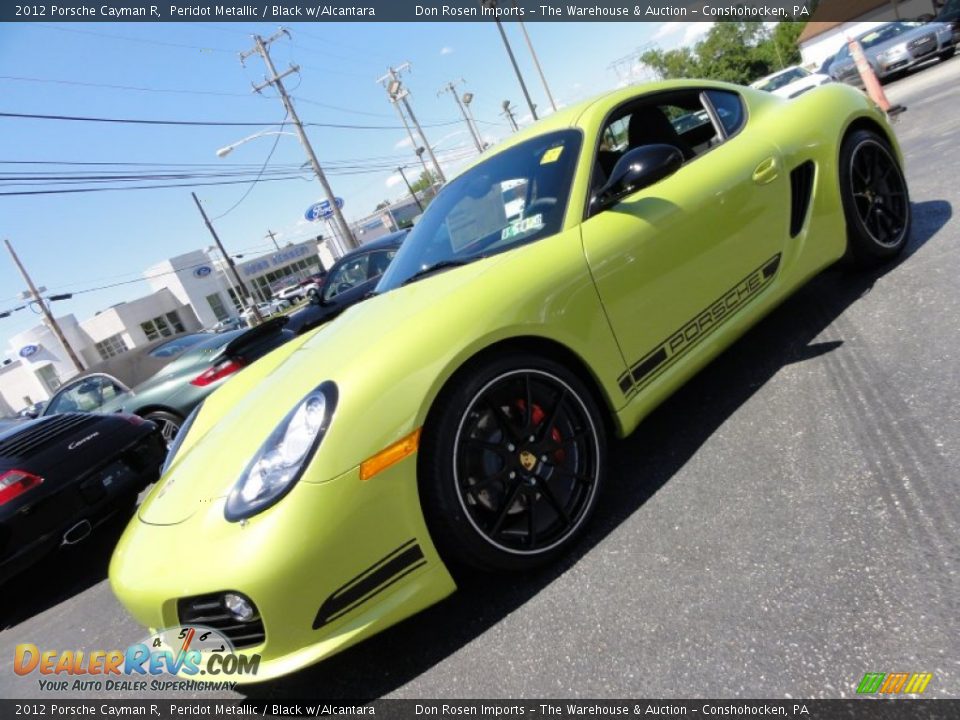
(382, 204)
(737, 52)
(425, 181)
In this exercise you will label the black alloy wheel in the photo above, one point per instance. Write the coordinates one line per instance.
(522, 467)
(875, 198)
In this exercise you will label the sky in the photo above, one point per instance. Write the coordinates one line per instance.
(96, 245)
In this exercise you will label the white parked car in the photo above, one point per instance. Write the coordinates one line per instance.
(266, 310)
(791, 81)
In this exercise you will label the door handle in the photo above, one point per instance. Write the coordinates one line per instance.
(766, 171)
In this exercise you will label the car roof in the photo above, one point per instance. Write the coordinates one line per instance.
(387, 241)
(137, 364)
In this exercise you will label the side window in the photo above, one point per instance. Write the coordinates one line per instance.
(729, 108)
(352, 272)
(379, 262)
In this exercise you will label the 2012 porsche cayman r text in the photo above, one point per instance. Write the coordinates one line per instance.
(550, 297)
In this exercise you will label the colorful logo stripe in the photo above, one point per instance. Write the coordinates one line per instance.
(893, 683)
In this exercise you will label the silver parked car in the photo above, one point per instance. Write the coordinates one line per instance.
(895, 48)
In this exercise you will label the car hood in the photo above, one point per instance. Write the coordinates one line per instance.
(350, 350)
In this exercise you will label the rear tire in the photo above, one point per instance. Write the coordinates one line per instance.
(511, 464)
(169, 424)
(876, 202)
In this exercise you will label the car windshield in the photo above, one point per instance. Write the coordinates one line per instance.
(176, 346)
(885, 34)
(516, 196)
(785, 78)
(88, 394)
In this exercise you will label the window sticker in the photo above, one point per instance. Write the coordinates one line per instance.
(519, 227)
(551, 155)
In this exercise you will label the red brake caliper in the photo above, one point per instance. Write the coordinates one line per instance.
(538, 416)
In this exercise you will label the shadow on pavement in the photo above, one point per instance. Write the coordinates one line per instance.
(61, 575)
(662, 445)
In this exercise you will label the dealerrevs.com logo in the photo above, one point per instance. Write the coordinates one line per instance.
(180, 658)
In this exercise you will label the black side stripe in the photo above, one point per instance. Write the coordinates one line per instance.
(372, 581)
(654, 363)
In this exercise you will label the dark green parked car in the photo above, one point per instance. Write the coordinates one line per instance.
(190, 368)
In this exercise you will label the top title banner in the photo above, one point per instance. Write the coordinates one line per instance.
(286, 11)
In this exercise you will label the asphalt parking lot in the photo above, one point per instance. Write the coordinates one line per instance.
(785, 523)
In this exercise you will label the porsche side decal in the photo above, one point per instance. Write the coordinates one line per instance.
(372, 581)
(651, 365)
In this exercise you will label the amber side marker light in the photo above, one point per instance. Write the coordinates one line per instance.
(390, 455)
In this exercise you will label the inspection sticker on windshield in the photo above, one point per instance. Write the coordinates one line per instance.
(551, 155)
(519, 227)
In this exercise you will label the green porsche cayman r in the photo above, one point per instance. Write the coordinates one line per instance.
(551, 296)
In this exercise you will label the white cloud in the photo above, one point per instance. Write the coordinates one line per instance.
(696, 31)
(403, 143)
(394, 180)
(686, 33)
(446, 50)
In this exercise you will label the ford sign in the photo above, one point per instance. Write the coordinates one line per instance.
(29, 350)
(321, 210)
(202, 271)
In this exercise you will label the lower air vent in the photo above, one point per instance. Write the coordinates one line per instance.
(211, 611)
(801, 189)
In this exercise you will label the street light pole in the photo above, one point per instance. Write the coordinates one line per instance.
(536, 62)
(51, 321)
(230, 263)
(513, 61)
(451, 88)
(277, 81)
(467, 100)
(508, 111)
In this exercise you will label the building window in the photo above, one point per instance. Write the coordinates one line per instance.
(216, 304)
(48, 376)
(111, 347)
(163, 326)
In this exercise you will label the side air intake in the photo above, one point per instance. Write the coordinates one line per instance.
(801, 189)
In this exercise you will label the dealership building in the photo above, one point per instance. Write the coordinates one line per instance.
(188, 292)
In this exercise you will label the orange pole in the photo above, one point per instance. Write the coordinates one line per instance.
(870, 80)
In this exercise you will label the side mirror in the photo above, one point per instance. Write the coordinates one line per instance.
(638, 168)
(313, 295)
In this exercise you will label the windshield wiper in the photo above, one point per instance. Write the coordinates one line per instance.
(442, 265)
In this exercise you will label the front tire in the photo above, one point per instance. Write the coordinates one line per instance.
(876, 202)
(511, 464)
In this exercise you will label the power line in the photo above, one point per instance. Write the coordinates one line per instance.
(145, 41)
(202, 123)
(134, 88)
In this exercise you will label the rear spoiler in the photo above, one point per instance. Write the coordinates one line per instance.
(254, 335)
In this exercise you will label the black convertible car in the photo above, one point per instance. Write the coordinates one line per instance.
(62, 476)
(351, 279)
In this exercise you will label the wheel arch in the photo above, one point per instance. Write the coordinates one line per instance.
(147, 409)
(870, 124)
(544, 347)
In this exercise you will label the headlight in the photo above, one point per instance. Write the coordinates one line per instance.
(281, 460)
(178, 440)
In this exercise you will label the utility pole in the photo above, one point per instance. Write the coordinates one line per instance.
(273, 239)
(513, 61)
(397, 92)
(536, 62)
(230, 264)
(410, 188)
(276, 80)
(44, 308)
(417, 149)
(508, 112)
(451, 88)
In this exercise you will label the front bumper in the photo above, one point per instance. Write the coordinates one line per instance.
(914, 56)
(321, 566)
